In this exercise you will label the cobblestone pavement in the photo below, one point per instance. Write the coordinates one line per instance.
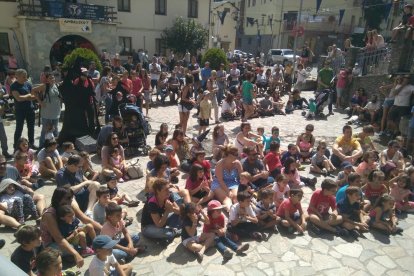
(375, 254)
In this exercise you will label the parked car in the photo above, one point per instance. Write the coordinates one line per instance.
(280, 56)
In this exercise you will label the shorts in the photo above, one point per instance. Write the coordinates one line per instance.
(204, 122)
(248, 101)
(388, 103)
(82, 198)
(339, 92)
(320, 166)
(200, 194)
(147, 96)
(195, 239)
(181, 108)
(396, 112)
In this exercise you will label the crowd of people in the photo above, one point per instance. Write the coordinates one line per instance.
(250, 187)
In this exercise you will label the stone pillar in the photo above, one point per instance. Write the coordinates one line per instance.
(401, 59)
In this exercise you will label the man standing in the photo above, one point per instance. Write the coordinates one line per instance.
(93, 73)
(205, 75)
(155, 72)
(129, 65)
(325, 76)
(346, 148)
(234, 74)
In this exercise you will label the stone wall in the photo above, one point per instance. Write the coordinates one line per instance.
(41, 34)
(370, 83)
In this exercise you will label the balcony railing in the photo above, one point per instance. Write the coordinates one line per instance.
(374, 62)
(61, 9)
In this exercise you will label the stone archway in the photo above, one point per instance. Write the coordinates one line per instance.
(67, 44)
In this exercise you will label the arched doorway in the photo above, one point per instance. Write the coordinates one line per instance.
(65, 45)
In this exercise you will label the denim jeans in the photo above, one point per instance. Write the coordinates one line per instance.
(3, 138)
(23, 207)
(163, 233)
(120, 254)
(45, 124)
(223, 242)
(244, 229)
(21, 116)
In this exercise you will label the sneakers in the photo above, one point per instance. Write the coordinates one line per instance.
(312, 182)
(177, 232)
(121, 180)
(354, 233)
(315, 229)
(2, 243)
(39, 184)
(342, 232)
(227, 254)
(290, 230)
(257, 236)
(242, 248)
(199, 256)
(87, 252)
(324, 172)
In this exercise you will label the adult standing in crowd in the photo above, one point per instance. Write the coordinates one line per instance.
(155, 72)
(234, 74)
(24, 94)
(194, 69)
(325, 76)
(186, 103)
(50, 108)
(213, 88)
(205, 75)
(93, 73)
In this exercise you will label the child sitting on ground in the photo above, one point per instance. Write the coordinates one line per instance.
(28, 237)
(205, 112)
(25, 172)
(272, 160)
(243, 220)
(68, 150)
(75, 235)
(267, 140)
(114, 227)
(217, 224)
(342, 177)
(364, 138)
(266, 210)
(375, 186)
(281, 189)
(200, 159)
(49, 262)
(246, 183)
(102, 195)
(318, 210)
(87, 168)
(17, 200)
(291, 213)
(370, 111)
(115, 196)
(197, 244)
(117, 163)
(368, 164)
(400, 191)
(198, 185)
(320, 163)
(349, 208)
(104, 262)
(382, 215)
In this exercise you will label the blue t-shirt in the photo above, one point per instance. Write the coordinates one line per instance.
(411, 125)
(341, 195)
(65, 177)
(22, 89)
(346, 208)
(66, 229)
(205, 74)
(268, 139)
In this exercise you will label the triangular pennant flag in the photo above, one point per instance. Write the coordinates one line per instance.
(270, 21)
(250, 20)
(221, 16)
(341, 16)
(318, 5)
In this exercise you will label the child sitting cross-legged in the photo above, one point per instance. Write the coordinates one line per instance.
(28, 237)
(375, 187)
(104, 262)
(318, 210)
(69, 228)
(197, 244)
(198, 185)
(342, 178)
(382, 215)
(217, 224)
(246, 183)
(400, 191)
(368, 164)
(266, 210)
(115, 228)
(115, 196)
(68, 150)
(320, 163)
(354, 219)
(291, 213)
(243, 220)
(281, 189)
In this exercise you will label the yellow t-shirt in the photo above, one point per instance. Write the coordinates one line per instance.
(348, 145)
(205, 109)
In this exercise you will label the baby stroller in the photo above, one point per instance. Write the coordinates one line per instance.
(137, 129)
(321, 99)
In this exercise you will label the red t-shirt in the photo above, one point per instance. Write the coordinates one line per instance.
(136, 86)
(411, 21)
(127, 84)
(273, 161)
(215, 223)
(321, 202)
(371, 192)
(191, 185)
(207, 167)
(288, 205)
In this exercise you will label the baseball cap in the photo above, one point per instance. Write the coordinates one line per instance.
(169, 148)
(104, 241)
(214, 205)
(346, 165)
(206, 92)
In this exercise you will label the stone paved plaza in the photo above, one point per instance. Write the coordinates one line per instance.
(374, 254)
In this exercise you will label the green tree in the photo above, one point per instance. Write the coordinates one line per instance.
(215, 56)
(185, 35)
(86, 57)
(374, 13)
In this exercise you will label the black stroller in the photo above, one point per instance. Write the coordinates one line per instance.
(321, 100)
(137, 129)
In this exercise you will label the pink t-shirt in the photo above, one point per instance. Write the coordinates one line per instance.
(341, 83)
(115, 232)
(399, 193)
(321, 202)
(364, 168)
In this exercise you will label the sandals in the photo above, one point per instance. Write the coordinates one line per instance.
(128, 221)
(133, 203)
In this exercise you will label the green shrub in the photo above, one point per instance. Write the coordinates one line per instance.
(85, 55)
(215, 56)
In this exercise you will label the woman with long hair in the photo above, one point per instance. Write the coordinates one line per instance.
(186, 103)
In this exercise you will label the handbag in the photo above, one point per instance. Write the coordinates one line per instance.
(135, 171)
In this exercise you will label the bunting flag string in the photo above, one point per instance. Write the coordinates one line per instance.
(318, 5)
(341, 16)
(221, 16)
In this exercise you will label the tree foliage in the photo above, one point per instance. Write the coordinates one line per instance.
(374, 13)
(84, 55)
(215, 56)
(185, 35)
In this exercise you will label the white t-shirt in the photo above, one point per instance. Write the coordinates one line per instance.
(280, 194)
(260, 77)
(102, 268)
(235, 74)
(228, 107)
(373, 106)
(155, 76)
(403, 98)
(302, 75)
(235, 211)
